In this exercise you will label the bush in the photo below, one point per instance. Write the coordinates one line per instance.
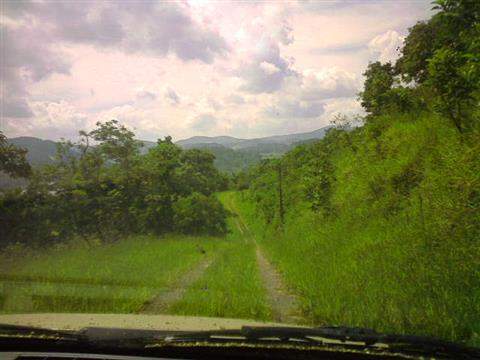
(200, 214)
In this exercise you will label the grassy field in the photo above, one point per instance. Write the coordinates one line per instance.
(106, 278)
(121, 277)
(231, 286)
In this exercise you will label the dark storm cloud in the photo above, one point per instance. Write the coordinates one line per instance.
(25, 58)
(144, 26)
(13, 107)
(153, 28)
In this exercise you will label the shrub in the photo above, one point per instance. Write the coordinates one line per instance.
(200, 214)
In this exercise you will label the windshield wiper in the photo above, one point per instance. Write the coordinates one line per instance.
(345, 338)
(17, 333)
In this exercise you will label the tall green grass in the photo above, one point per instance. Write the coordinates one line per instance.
(119, 277)
(397, 260)
(231, 286)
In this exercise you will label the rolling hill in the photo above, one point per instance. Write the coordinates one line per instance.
(39, 151)
(231, 154)
(268, 143)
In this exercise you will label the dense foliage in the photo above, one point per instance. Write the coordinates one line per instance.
(232, 161)
(13, 160)
(380, 225)
(103, 188)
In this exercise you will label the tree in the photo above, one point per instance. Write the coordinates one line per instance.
(200, 214)
(378, 81)
(116, 142)
(442, 55)
(102, 187)
(13, 159)
(419, 46)
(197, 173)
(454, 90)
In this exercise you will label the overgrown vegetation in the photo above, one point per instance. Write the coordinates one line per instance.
(102, 187)
(379, 226)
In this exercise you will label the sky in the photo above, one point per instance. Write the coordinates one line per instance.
(184, 68)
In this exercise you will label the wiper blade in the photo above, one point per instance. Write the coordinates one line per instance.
(355, 338)
(18, 331)
(343, 338)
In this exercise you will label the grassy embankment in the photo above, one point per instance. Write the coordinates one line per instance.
(397, 259)
(231, 287)
(116, 278)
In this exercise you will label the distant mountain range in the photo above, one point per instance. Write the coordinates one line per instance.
(234, 154)
(240, 144)
(231, 154)
(39, 151)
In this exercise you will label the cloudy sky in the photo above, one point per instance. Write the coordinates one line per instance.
(242, 68)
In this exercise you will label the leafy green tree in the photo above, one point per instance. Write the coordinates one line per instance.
(419, 46)
(200, 214)
(454, 90)
(157, 186)
(103, 188)
(197, 173)
(379, 79)
(13, 159)
(116, 142)
(442, 55)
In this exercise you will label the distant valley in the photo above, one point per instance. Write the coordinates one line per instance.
(231, 154)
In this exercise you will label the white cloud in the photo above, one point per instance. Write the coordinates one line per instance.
(304, 95)
(269, 68)
(172, 96)
(295, 108)
(204, 123)
(386, 47)
(50, 120)
(265, 69)
(145, 95)
(347, 106)
(328, 83)
(183, 67)
(235, 99)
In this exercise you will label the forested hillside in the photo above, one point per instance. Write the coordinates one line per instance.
(231, 154)
(231, 161)
(380, 226)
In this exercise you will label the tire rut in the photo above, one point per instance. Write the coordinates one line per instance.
(285, 306)
(161, 303)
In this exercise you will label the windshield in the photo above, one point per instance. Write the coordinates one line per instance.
(204, 165)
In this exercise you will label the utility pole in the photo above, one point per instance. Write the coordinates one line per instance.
(281, 209)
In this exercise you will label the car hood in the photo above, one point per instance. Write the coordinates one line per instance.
(58, 321)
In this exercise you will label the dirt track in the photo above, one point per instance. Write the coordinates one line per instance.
(285, 306)
(161, 303)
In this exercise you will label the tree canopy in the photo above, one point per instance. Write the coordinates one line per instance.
(103, 187)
